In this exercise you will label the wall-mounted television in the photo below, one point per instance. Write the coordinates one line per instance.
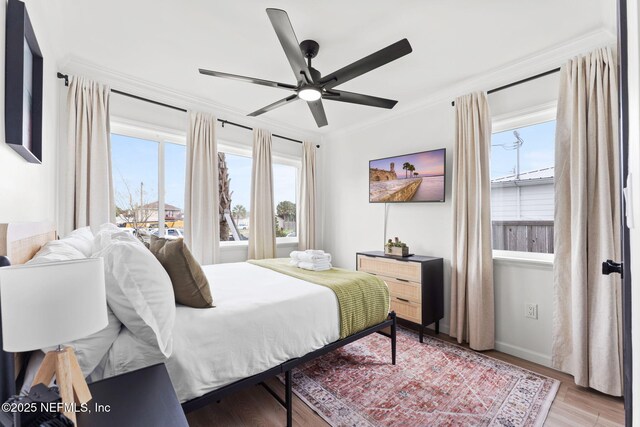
(416, 177)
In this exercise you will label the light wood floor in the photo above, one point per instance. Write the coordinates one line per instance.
(573, 405)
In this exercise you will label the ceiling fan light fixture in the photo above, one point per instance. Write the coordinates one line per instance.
(309, 94)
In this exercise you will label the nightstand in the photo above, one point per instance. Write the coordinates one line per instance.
(416, 285)
(139, 398)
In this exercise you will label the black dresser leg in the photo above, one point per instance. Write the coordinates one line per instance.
(421, 333)
(393, 338)
(437, 327)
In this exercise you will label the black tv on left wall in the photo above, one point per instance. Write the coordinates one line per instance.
(415, 177)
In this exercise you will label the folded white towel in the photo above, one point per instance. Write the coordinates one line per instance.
(315, 251)
(303, 256)
(295, 254)
(314, 266)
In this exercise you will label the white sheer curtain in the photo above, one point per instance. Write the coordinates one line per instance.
(89, 199)
(587, 337)
(307, 222)
(262, 231)
(202, 225)
(472, 304)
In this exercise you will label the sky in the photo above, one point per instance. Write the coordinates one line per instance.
(427, 163)
(284, 181)
(136, 160)
(537, 151)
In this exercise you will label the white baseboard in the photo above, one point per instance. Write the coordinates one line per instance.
(523, 353)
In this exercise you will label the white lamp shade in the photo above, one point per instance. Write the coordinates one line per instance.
(46, 305)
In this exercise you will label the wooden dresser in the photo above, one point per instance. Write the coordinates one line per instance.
(415, 285)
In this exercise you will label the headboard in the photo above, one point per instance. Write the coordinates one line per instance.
(19, 241)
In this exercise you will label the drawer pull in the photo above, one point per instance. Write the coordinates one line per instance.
(402, 299)
(401, 280)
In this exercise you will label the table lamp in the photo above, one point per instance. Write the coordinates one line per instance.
(49, 304)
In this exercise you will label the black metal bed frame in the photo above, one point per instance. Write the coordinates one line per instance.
(288, 366)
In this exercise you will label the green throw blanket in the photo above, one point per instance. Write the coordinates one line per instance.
(363, 299)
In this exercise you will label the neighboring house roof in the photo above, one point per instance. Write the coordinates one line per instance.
(154, 206)
(538, 176)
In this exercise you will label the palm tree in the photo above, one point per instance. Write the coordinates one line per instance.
(411, 168)
(416, 174)
(405, 166)
(239, 212)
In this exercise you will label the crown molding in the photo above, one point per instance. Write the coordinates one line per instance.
(515, 70)
(127, 83)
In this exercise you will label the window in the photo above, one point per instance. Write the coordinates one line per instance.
(235, 195)
(522, 188)
(149, 168)
(285, 186)
(148, 177)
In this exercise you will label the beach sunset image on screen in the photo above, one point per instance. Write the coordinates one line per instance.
(417, 177)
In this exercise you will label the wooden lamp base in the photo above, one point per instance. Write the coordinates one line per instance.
(62, 364)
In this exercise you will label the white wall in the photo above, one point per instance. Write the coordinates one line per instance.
(516, 284)
(353, 224)
(28, 191)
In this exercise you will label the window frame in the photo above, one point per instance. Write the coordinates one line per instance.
(162, 135)
(512, 121)
(226, 146)
(156, 134)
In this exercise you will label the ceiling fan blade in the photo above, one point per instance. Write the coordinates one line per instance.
(288, 40)
(247, 79)
(358, 98)
(366, 64)
(318, 112)
(274, 105)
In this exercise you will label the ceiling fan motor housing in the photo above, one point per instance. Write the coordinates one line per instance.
(309, 48)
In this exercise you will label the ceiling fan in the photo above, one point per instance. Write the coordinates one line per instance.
(311, 86)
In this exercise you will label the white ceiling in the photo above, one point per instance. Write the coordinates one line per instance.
(164, 42)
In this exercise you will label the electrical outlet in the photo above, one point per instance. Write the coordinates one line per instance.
(531, 310)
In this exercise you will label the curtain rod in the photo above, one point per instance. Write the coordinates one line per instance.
(173, 107)
(528, 79)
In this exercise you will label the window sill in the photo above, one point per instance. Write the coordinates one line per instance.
(280, 242)
(529, 258)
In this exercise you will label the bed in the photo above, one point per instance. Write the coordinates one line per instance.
(247, 339)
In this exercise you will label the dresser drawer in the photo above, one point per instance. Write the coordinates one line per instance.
(406, 309)
(390, 268)
(407, 290)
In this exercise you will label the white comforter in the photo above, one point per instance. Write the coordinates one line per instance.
(261, 319)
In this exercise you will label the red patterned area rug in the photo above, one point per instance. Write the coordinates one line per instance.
(433, 384)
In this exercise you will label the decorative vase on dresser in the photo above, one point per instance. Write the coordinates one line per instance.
(415, 285)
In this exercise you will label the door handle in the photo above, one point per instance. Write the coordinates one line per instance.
(610, 266)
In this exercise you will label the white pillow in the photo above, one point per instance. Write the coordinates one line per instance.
(81, 239)
(108, 233)
(56, 250)
(140, 293)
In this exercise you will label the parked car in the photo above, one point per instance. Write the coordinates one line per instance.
(174, 233)
(169, 233)
(292, 234)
